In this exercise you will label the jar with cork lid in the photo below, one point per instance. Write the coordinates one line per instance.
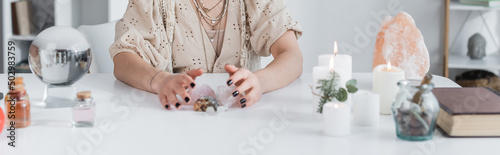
(17, 104)
(84, 110)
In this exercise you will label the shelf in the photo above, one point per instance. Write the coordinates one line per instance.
(464, 62)
(465, 7)
(23, 37)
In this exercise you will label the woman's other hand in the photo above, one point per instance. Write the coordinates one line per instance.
(167, 86)
(248, 89)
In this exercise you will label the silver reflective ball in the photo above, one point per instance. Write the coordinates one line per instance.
(60, 56)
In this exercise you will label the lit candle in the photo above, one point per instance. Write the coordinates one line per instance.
(385, 80)
(337, 119)
(319, 73)
(343, 64)
(366, 108)
(332, 64)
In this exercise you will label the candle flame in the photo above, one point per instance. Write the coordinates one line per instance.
(332, 64)
(335, 48)
(389, 65)
(336, 106)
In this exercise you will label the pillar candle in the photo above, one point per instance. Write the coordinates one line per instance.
(337, 119)
(319, 72)
(385, 83)
(366, 108)
(343, 65)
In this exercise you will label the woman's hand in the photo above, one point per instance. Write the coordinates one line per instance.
(167, 86)
(248, 89)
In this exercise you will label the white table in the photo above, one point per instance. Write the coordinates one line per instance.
(133, 122)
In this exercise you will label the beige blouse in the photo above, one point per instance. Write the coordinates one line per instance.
(142, 31)
(218, 39)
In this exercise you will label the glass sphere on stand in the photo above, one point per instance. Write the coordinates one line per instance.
(60, 56)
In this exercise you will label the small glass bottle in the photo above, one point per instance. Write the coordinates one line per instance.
(17, 104)
(84, 110)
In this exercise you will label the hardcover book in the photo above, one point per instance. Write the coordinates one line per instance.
(469, 112)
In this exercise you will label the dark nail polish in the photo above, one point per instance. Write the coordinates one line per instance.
(167, 106)
(230, 82)
(236, 93)
(243, 105)
(186, 99)
(177, 105)
(192, 85)
(243, 101)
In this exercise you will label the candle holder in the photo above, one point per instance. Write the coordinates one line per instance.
(415, 111)
(330, 89)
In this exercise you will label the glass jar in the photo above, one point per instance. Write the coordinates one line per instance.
(84, 110)
(17, 104)
(415, 111)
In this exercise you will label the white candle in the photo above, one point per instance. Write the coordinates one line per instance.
(343, 64)
(337, 119)
(385, 83)
(366, 108)
(319, 72)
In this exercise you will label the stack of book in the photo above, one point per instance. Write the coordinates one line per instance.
(469, 112)
(21, 18)
(488, 3)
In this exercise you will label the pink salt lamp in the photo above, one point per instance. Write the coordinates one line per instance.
(401, 42)
(2, 120)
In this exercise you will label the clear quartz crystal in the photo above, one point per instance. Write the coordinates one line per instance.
(84, 113)
(225, 97)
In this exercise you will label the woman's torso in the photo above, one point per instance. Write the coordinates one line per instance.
(192, 47)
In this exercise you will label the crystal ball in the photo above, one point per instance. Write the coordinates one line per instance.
(60, 56)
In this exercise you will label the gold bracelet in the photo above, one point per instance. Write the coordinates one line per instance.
(151, 82)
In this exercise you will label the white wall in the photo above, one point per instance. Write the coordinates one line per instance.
(116, 9)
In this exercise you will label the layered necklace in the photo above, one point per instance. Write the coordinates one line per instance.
(213, 22)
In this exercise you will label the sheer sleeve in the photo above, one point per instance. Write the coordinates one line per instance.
(268, 21)
(141, 31)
